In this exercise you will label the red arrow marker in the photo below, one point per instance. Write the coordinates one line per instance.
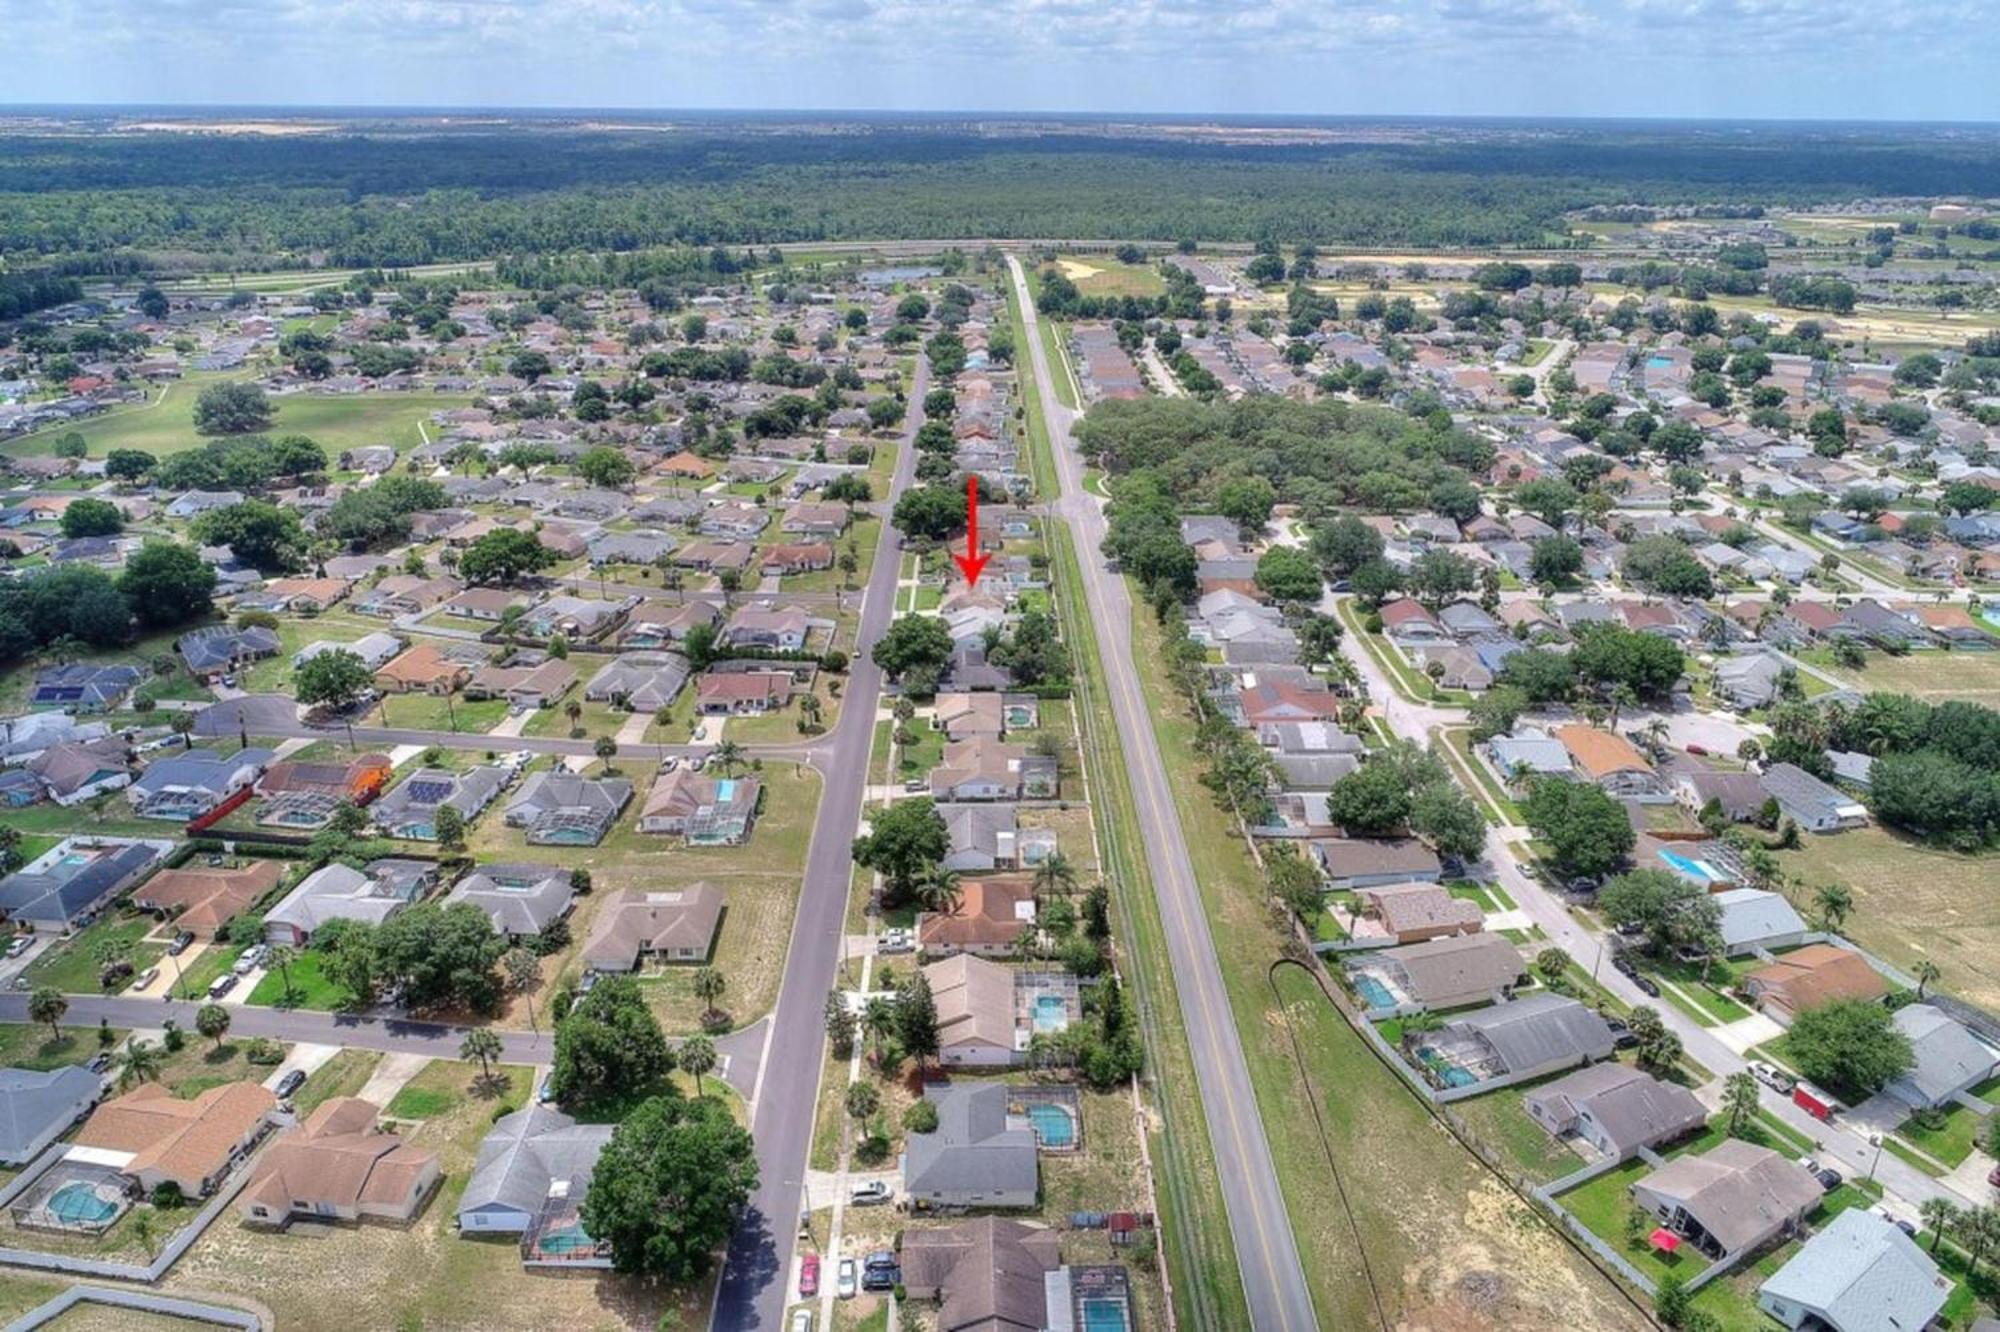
(972, 561)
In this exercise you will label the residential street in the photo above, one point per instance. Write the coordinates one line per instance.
(1273, 1277)
(753, 1290)
(1847, 1148)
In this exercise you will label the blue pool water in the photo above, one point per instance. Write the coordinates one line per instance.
(1104, 1316)
(79, 1203)
(1449, 1074)
(1699, 869)
(1054, 1125)
(1373, 992)
(1658, 362)
(79, 858)
(569, 1239)
(725, 789)
(1051, 1013)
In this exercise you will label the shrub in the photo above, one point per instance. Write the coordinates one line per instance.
(921, 1117)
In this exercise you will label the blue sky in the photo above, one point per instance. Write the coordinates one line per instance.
(1827, 59)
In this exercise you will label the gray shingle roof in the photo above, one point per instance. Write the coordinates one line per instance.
(528, 1151)
(975, 1152)
(1861, 1274)
(1539, 1030)
(36, 1106)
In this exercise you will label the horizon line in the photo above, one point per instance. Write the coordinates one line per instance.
(1247, 118)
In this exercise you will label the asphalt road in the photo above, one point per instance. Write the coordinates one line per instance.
(1274, 1280)
(756, 1271)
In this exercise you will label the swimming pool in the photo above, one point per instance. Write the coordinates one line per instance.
(1659, 362)
(1450, 1074)
(78, 858)
(1104, 1316)
(1050, 1013)
(80, 1204)
(1373, 992)
(725, 790)
(1054, 1125)
(567, 1239)
(1694, 869)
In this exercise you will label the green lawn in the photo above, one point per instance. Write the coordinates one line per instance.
(338, 422)
(915, 760)
(310, 987)
(1951, 1140)
(431, 712)
(596, 719)
(72, 965)
(343, 1075)
(33, 1047)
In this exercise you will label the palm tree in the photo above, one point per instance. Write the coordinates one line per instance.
(1055, 875)
(182, 725)
(1739, 1101)
(728, 756)
(937, 889)
(282, 956)
(483, 1044)
(708, 984)
(606, 749)
(1656, 734)
(809, 711)
(1834, 901)
(1927, 974)
(878, 1019)
(524, 973)
(1939, 1215)
(139, 1061)
(47, 1004)
(697, 1055)
(1622, 696)
(573, 710)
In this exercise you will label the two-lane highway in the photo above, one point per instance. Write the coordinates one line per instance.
(1274, 1280)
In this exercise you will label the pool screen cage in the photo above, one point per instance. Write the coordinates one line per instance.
(75, 1197)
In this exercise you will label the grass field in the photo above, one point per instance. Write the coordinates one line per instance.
(1103, 275)
(23, 1046)
(72, 966)
(1913, 902)
(310, 990)
(1932, 676)
(343, 1075)
(166, 423)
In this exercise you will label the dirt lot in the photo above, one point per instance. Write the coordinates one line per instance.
(376, 1276)
(1913, 902)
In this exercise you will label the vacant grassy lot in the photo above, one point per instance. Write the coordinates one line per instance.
(310, 987)
(1932, 676)
(343, 1075)
(1913, 902)
(23, 1046)
(334, 1277)
(73, 965)
(761, 880)
(166, 424)
(1104, 275)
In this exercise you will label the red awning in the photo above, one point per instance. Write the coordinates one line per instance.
(1665, 1240)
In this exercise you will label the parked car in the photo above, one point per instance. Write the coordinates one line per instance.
(802, 1320)
(845, 1282)
(1699, 751)
(1829, 1178)
(180, 943)
(291, 1082)
(22, 943)
(1621, 1035)
(881, 1271)
(875, 1191)
(1777, 1080)
(222, 985)
(673, 762)
(546, 1092)
(1646, 985)
(146, 978)
(809, 1274)
(99, 1062)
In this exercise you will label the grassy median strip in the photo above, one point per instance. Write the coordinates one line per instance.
(1201, 1262)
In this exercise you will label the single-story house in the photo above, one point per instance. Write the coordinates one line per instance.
(978, 1156)
(565, 809)
(1452, 971)
(742, 693)
(341, 892)
(987, 1275)
(708, 811)
(987, 837)
(410, 810)
(81, 687)
(221, 649)
(984, 768)
(1810, 976)
(975, 1011)
(1615, 1108)
(1414, 912)
(203, 898)
(1754, 919)
(373, 649)
(528, 679)
(75, 878)
(37, 1107)
(528, 1160)
(521, 900)
(338, 1165)
(188, 784)
(1949, 1059)
(422, 669)
(1729, 1199)
(1524, 1038)
(646, 681)
(1356, 862)
(989, 918)
(654, 625)
(666, 925)
(1858, 1273)
(1810, 802)
(1611, 761)
(189, 1143)
(73, 772)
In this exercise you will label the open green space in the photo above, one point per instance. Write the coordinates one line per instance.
(73, 965)
(310, 987)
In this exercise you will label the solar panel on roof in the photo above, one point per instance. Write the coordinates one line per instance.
(430, 793)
